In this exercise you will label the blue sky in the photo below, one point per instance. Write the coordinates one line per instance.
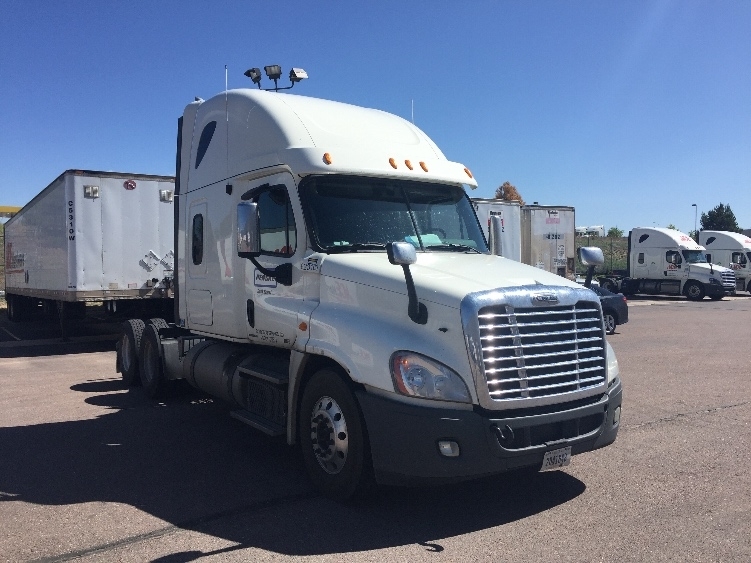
(629, 111)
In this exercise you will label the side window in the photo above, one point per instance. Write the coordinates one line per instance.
(641, 258)
(278, 231)
(197, 238)
(203, 143)
(673, 257)
(738, 258)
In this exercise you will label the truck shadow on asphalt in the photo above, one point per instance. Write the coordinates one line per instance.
(185, 461)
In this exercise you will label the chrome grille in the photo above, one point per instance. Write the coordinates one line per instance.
(532, 353)
(728, 279)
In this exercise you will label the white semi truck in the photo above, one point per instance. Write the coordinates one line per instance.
(91, 236)
(334, 285)
(668, 262)
(732, 250)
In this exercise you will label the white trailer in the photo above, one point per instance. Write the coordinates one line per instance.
(731, 250)
(549, 238)
(510, 215)
(91, 237)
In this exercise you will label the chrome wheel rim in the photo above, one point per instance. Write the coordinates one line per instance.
(328, 433)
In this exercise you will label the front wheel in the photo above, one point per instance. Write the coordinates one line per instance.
(333, 438)
(610, 323)
(694, 291)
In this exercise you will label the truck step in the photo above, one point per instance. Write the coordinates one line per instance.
(267, 368)
(266, 426)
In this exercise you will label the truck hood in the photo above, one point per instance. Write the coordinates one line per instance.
(440, 277)
(718, 270)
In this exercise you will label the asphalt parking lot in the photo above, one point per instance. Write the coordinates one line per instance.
(92, 471)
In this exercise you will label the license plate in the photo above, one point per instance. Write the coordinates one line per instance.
(556, 458)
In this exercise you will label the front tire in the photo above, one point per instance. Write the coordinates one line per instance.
(610, 323)
(333, 438)
(694, 291)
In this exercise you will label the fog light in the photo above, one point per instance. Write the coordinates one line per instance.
(448, 448)
(617, 416)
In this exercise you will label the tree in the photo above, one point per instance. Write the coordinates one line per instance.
(615, 232)
(721, 218)
(671, 226)
(508, 192)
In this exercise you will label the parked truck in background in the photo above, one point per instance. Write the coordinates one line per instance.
(510, 215)
(549, 238)
(668, 262)
(91, 237)
(732, 250)
(333, 284)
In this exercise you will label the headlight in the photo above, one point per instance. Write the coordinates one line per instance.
(715, 281)
(417, 376)
(613, 370)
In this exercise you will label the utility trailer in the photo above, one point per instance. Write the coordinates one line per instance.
(510, 231)
(549, 238)
(88, 237)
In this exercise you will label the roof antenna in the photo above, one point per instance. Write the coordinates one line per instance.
(226, 116)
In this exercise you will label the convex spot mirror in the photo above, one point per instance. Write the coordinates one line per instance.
(248, 230)
(401, 253)
(590, 256)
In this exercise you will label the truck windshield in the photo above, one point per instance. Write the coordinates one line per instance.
(694, 256)
(352, 213)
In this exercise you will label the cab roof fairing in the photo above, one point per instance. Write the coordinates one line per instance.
(268, 129)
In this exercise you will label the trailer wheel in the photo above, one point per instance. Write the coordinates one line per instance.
(130, 347)
(694, 291)
(607, 284)
(610, 322)
(333, 438)
(153, 378)
(11, 311)
(19, 308)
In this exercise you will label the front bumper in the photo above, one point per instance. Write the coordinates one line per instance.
(404, 438)
(716, 290)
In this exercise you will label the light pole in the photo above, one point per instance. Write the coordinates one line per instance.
(696, 211)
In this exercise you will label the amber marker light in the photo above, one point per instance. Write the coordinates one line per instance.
(392, 162)
(303, 326)
(409, 164)
(423, 166)
(327, 158)
(467, 172)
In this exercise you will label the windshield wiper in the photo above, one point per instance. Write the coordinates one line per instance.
(453, 247)
(355, 247)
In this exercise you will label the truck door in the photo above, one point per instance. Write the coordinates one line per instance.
(271, 307)
(673, 264)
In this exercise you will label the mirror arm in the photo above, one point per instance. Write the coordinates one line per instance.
(417, 311)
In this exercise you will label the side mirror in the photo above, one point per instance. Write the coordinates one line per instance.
(401, 253)
(248, 230)
(249, 242)
(495, 230)
(590, 256)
